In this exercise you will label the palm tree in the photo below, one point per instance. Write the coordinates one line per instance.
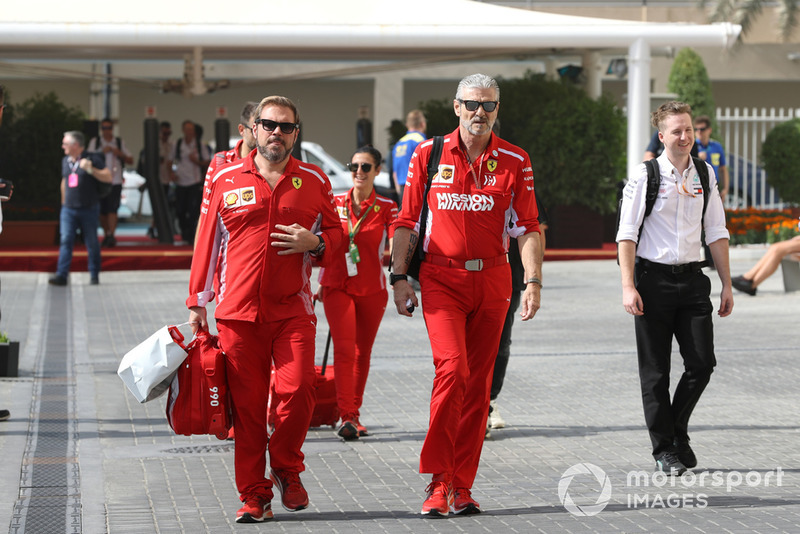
(744, 12)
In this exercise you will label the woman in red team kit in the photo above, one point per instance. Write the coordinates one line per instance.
(353, 287)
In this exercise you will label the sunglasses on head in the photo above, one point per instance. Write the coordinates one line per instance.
(366, 167)
(473, 105)
(269, 126)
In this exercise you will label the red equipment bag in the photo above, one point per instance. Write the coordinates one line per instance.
(198, 400)
(326, 410)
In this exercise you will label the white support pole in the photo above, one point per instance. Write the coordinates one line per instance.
(593, 71)
(638, 101)
(388, 105)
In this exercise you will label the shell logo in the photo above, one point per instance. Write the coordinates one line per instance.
(231, 199)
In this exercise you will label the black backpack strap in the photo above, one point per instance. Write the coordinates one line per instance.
(702, 172)
(433, 167)
(653, 181)
(178, 149)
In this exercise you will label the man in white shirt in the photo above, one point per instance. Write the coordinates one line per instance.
(191, 159)
(117, 156)
(663, 285)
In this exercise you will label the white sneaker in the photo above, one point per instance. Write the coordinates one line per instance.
(495, 420)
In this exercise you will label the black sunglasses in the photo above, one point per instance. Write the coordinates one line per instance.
(269, 126)
(366, 167)
(473, 105)
(701, 128)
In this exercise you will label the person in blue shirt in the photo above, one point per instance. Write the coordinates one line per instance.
(404, 149)
(711, 152)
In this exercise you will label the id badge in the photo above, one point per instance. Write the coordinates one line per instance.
(72, 180)
(353, 253)
(352, 268)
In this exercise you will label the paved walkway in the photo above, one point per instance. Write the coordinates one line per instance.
(81, 455)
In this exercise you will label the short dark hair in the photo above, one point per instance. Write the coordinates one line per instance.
(106, 120)
(165, 124)
(247, 113)
(705, 119)
(373, 152)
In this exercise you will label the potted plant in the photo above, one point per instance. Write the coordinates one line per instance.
(9, 356)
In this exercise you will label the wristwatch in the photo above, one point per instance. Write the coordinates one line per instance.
(320, 248)
(395, 277)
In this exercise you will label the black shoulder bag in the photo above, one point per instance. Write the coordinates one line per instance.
(433, 166)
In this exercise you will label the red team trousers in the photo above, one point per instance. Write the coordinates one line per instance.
(464, 312)
(354, 322)
(251, 347)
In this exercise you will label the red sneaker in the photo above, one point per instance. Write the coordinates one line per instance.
(255, 510)
(362, 430)
(463, 503)
(439, 501)
(293, 495)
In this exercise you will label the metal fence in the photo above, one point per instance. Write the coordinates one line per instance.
(742, 132)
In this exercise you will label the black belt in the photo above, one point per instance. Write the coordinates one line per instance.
(692, 267)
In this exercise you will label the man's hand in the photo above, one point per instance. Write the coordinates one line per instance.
(632, 301)
(295, 239)
(86, 165)
(197, 319)
(403, 292)
(531, 301)
(726, 301)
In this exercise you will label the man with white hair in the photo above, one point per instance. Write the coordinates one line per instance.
(481, 193)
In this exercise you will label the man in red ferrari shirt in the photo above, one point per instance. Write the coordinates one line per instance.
(268, 213)
(243, 147)
(481, 194)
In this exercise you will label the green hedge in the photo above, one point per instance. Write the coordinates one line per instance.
(577, 145)
(781, 156)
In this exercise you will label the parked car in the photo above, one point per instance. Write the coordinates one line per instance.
(136, 202)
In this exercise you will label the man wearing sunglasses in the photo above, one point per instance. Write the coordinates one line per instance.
(117, 156)
(481, 193)
(267, 215)
(664, 288)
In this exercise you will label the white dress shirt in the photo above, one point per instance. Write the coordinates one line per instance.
(671, 233)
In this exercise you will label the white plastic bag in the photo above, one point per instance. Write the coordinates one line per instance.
(148, 368)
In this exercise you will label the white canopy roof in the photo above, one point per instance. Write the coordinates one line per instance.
(320, 29)
(341, 29)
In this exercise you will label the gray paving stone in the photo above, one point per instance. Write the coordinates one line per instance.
(571, 397)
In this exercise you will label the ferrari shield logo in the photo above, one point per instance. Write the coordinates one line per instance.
(491, 165)
(297, 182)
(377, 208)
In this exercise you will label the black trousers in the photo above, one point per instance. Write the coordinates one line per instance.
(187, 208)
(674, 305)
(504, 351)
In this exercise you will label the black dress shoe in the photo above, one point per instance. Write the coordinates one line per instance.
(670, 464)
(94, 281)
(685, 453)
(744, 285)
(57, 280)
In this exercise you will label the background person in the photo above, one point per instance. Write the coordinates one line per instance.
(664, 288)
(353, 286)
(5, 191)
(766, 266)
(80, 205)
(465, 280)
(191, 159)
(117, 156)
(270, 214)
(404, 148)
